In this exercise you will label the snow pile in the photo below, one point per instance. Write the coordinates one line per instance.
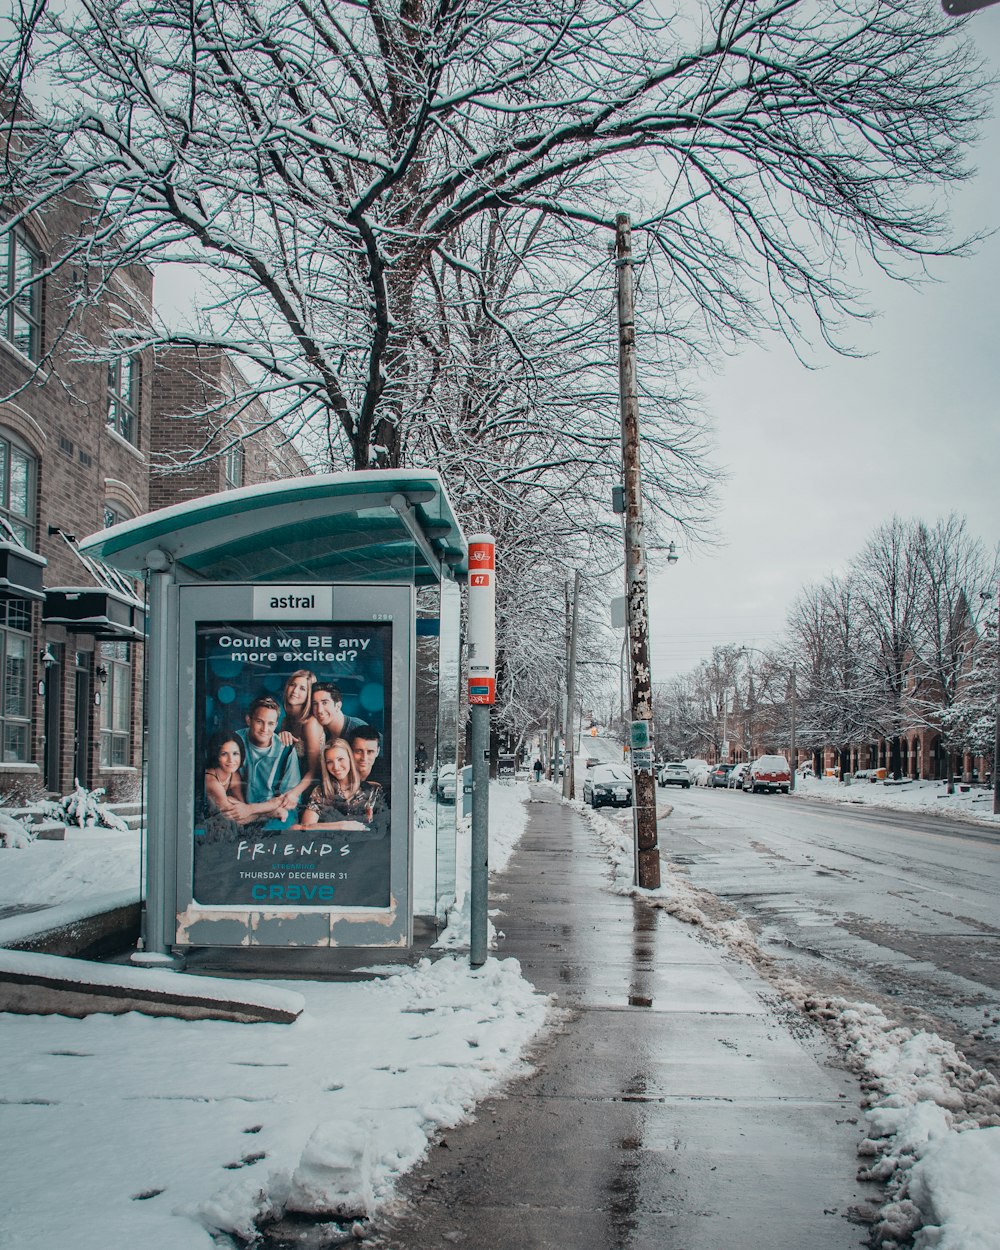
(974, 803)
(197, 1132)
(102, 862)
(508, 820)
(14, 836)
(471, 1028)
(933, 1122)
(933, 1129)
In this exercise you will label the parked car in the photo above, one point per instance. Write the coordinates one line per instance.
(735, 779)
(444, 784)
(608, 784)
(673, 773)
(698, 770)
(719, 776)
(592, 762)
(770, 772)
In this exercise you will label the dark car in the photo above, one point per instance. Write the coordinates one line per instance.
(719, 776)
(609, 784)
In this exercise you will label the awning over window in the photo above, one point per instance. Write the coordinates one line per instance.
(87, 610)
(385, 525)
(20, 568)
(108, 609)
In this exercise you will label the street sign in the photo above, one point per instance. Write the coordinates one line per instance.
(481, 633)
(642, 761)
(639, 737)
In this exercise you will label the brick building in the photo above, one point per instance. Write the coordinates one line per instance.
(237, 444)
(87, 425)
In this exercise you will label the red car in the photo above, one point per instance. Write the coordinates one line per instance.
(770, 772)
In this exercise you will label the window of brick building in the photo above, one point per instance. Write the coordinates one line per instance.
(123, 397)
(115, 674)
(15, 665)
(234, 463)
(18, 476)
(114, 514)
(21, 324)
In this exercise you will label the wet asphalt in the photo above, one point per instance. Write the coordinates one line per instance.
(677, 1104)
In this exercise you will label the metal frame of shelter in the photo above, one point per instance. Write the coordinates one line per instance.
(306, 572)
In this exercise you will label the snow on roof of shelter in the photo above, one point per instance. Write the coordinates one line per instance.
(372, 525)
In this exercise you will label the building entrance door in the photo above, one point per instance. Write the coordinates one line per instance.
(81, 725)
(53, 716)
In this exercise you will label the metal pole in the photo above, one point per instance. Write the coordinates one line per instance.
(482, 694)
(647, 852)
(161, 711)
(479, 903)
(791, 782)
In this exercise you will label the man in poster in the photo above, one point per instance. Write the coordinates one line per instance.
(270, 770)
(328, 708)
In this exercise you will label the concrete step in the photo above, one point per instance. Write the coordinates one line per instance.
(131, 813)
(39, 825)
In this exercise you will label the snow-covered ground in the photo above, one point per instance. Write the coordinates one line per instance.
(172, 1135)
(91, 862)
(969, 803)
(933, 1122)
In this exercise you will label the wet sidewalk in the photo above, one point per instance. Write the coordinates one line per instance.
(679, 1107)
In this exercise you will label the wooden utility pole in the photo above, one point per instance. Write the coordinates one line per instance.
(647, 852)
(569, 749)
(996, 727)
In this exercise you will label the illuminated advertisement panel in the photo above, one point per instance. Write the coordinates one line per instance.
(293, 793)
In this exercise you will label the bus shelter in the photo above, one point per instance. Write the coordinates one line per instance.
(339, 595)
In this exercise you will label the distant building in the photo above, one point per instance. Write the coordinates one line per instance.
(238, 444)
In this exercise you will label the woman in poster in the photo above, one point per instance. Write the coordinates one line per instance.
(342, 800)
(299, 728)
(228, 810)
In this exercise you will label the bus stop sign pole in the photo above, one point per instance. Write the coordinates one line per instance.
(482, 695)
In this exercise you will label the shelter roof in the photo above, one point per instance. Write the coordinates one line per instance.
(374, 525)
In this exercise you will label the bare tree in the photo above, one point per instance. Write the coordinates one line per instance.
(397, 209)
(839, 697)
(888, 596)
(954, 569)
(327, 166)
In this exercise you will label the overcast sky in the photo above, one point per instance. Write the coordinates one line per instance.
(818, 459)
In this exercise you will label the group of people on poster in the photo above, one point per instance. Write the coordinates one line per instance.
(300, 764)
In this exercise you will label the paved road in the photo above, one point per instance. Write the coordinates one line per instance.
(901, 910)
